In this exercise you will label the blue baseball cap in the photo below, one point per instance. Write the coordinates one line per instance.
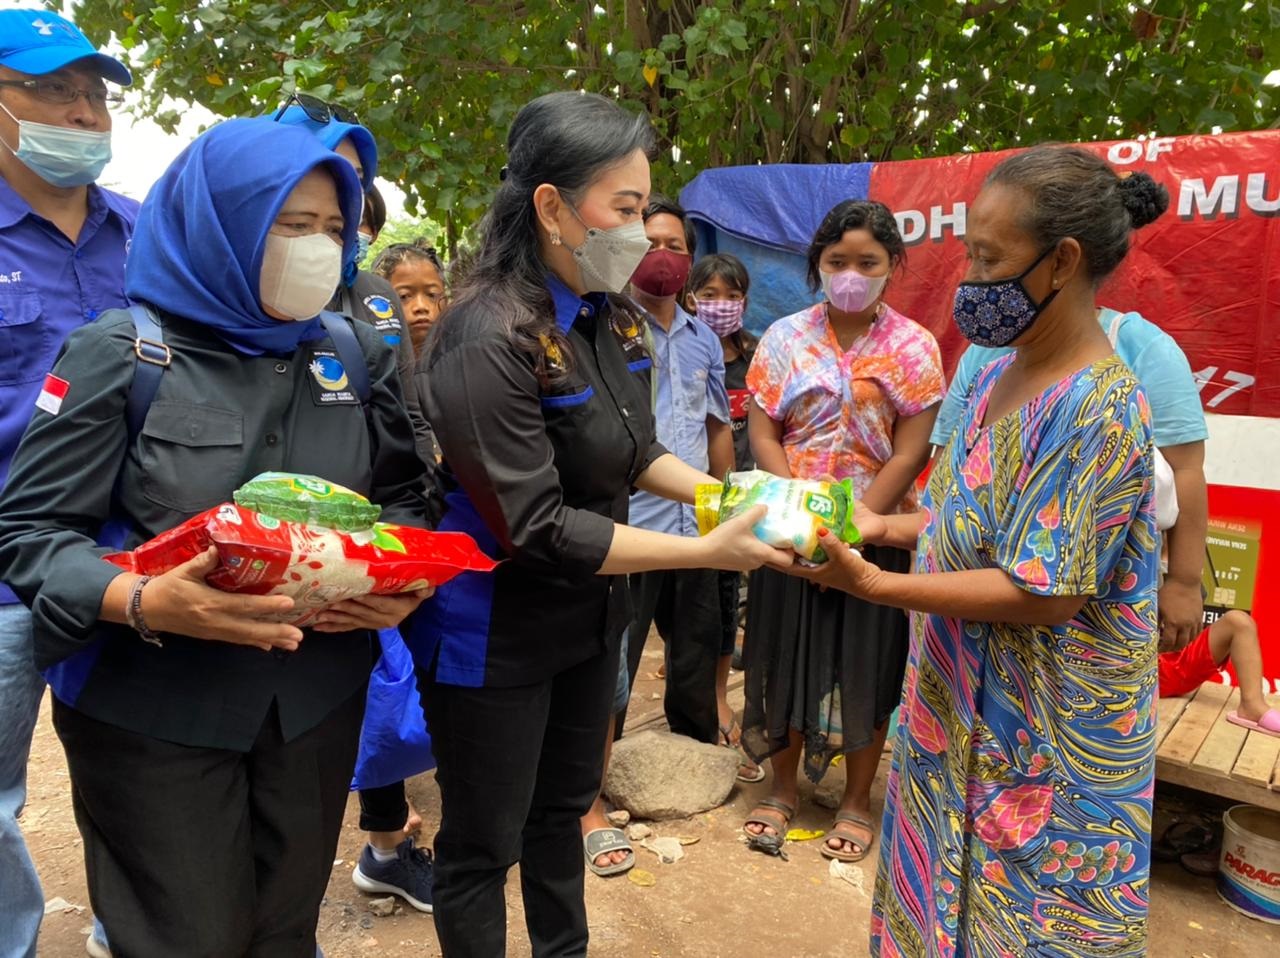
(38, 42)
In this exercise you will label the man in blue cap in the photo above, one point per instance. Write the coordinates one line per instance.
(62, 249)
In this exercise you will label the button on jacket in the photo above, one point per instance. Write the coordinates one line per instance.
(48, 287)
(218, 419)
(538, 473)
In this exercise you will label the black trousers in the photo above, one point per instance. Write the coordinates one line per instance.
(269, 817)
(383, 809)
(517, 768)
(685, 606)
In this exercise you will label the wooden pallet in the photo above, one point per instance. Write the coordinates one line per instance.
(1197, 747)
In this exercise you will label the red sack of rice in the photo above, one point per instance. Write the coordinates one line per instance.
(314, 566)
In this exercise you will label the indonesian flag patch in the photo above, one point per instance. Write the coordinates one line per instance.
(52, 393)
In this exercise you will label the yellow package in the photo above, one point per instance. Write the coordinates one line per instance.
(798, 508)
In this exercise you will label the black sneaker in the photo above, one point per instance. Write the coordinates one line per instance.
(408, 876)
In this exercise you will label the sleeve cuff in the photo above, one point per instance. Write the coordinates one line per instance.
(590, 536)
(61, 625)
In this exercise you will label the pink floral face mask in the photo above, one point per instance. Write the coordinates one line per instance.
(723, 316)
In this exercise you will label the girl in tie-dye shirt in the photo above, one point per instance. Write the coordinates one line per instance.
(846, 388)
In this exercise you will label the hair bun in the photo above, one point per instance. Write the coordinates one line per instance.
(1143, 198)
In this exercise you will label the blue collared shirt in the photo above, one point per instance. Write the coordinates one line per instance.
(48, 287)
(688, 367)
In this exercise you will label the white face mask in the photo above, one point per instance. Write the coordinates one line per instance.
(607, 258)
(299, 274)
(62, 156)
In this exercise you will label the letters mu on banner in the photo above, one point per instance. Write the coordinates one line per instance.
(1207, 272)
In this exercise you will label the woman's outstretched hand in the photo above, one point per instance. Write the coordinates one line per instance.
(845, 569)
(734, 547)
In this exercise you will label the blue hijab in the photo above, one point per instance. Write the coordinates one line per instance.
(197, 245)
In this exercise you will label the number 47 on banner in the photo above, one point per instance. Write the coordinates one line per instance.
(1231, 383)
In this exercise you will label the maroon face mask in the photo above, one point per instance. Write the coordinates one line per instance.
(662, 272)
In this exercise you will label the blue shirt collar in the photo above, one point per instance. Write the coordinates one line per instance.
(569, 305)
(682, 318)
(13, 207)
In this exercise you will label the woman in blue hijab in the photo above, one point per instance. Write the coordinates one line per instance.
(176, 703)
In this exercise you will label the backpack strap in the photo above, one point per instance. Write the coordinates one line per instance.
(153, 358)
(348, 347)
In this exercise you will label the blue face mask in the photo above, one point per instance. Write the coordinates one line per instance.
(362, 248)
(995, 314)
(60, 155)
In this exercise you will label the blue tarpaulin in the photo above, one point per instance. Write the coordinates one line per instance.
(766, 216)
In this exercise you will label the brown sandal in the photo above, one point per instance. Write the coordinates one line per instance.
(861, 848)
(777, 815)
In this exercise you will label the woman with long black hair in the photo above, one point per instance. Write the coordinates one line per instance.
(536, 383)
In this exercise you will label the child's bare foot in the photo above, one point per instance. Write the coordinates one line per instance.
(414, 821)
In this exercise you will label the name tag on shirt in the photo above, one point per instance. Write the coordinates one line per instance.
(329, 382)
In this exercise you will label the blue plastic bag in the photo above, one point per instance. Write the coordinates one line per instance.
(394, 742)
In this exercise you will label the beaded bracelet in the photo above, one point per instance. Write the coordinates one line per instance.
(133, 613)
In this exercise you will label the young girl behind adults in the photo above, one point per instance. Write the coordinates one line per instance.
(536, 382)
(847, 388)
(177, 703)
(416, 274)
(1018, 810)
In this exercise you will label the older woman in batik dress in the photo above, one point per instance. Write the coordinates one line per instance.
(1017, 815)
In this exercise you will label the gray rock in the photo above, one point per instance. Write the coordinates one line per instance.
(660, 775)
(619, 818)
(638, 831)
(383, 907)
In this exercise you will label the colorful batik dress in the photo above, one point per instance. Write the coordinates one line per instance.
(1018, 810)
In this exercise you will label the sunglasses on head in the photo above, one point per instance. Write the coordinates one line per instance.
(317, 110)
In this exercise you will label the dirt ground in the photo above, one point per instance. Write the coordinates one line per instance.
(720, 901)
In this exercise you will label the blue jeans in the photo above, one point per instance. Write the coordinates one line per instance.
(21, 901)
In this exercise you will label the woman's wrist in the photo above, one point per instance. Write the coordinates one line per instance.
(134, 615)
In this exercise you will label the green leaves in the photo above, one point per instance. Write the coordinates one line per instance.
(724, 81)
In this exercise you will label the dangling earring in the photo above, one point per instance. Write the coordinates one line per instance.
(555, 238)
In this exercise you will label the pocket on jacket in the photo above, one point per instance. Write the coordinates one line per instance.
(191, 455)
(569, 399)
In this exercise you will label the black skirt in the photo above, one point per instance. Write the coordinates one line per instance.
(825, 664)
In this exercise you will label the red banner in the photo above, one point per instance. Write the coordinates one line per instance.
(1208, 271)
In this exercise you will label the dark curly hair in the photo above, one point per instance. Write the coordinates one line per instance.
(397, 253)
(1076, 194)
(876, 218)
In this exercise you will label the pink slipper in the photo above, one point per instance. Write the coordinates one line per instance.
(1269, 724)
